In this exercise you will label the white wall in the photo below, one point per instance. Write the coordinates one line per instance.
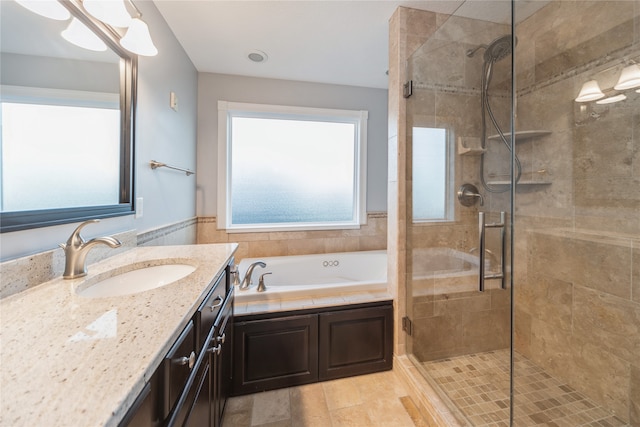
(214, 87)
(161, 134)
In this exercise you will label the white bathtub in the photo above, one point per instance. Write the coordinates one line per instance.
(304, 276)
(445, 270)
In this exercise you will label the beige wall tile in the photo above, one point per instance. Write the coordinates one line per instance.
(608, 322)
(595, 372)
(634, 396)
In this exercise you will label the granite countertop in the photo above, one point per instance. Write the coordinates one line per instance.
(68, 360)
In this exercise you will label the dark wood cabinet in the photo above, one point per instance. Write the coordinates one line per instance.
(191, 386)
(352, 342)
(287, 349)
(275, 353)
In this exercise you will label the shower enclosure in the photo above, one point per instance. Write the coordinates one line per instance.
(501, 98)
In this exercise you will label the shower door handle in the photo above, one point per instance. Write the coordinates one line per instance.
(482, 226)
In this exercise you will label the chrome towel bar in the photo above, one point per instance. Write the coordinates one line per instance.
(155, 165)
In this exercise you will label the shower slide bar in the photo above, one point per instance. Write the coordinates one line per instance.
(482, 226)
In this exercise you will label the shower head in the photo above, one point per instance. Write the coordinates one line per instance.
(498, 49)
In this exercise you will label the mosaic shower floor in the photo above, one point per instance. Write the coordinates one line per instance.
(478, 384)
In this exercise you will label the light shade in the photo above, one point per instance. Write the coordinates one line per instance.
(112, 12)
(630, 77)
(590, 92)
(78, 34)
(138, 40)
(47, 8)
(612, 99)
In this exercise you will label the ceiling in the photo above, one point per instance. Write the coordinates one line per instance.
(329, 41)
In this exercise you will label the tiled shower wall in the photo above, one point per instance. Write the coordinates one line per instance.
(577, 270)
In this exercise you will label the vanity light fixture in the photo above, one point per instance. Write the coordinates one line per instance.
(138, 40)
(48, 8)
(78, 34)
(590, 92)
(116, 13)
(612, 99)
(629, 78)
(112, 12)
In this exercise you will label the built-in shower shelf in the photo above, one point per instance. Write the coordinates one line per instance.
(470, 146)
(522, 135)
(522, 183)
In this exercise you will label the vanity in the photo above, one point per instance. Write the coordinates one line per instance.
(155, 357)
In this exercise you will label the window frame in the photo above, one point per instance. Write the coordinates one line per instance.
(227, 110)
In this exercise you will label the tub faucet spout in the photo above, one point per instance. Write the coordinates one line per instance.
(246, 282)
(76, 250)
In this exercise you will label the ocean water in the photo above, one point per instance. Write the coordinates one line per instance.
(277, 203)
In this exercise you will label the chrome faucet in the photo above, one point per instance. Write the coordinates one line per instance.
(246, 282)
(261, 286)
(76, 250)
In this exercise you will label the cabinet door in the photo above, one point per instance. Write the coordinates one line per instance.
(199, 415)
(275, 353)
(222, 358)
(354, 342)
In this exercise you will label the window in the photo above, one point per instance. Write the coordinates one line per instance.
(290, 168)
(432, 175)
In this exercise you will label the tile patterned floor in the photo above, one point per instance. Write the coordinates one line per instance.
(478, 384)
(375, 400)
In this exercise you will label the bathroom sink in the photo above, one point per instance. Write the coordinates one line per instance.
(135, 281)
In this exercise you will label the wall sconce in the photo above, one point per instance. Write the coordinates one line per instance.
(629, 78)
(114, 12)
(138, 40)
(612, 99)
(78, 34)
(48, 8)
(590, 91)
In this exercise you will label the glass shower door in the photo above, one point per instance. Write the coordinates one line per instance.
(460, 105)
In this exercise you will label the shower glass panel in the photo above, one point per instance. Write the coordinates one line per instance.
(461, 85)
(561, 345)
(577, 222)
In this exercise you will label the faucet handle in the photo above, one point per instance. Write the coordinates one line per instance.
(75, 237)
(261, 285)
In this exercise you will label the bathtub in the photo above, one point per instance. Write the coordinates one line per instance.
(305, 276)
(446, 271)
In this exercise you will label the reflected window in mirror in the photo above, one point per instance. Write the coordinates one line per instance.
(432, 195)
(67, 122)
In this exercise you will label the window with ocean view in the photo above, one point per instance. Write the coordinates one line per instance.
(291, 168)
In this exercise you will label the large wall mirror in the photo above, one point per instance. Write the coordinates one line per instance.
(67, 121)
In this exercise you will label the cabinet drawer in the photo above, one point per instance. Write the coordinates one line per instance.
(208, 311)
(177, 367)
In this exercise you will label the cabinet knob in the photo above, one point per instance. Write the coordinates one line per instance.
(221, 338)
(191, 360)
(216, 350)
